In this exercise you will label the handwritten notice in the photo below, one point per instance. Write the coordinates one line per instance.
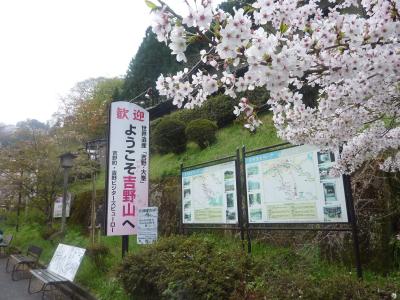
(66, 261)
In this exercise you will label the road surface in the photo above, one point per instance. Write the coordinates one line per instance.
(14, 290)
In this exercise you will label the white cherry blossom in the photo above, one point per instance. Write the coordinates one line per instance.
(348, 54)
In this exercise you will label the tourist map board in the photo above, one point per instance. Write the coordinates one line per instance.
(294, 185)
(209, 195)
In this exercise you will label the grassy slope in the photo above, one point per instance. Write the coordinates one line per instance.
(228, 139)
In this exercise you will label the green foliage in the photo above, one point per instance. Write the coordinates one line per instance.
(99, 281)
(165, 195)
(215, 267)
(85, 109)
(395, 244)
(219, 109)
(34, 216)
(202, 132)
(81, 207)
(228, 139)
(47, 231)
(150, 4)
(287, 285)
(184, 268)
(152, 58)
(98, 254)
(169, 136)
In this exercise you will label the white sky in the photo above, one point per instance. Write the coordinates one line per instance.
(46, 46)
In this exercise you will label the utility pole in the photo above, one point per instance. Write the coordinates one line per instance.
(66, 161)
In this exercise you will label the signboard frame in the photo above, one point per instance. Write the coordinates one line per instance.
(349, 226)
(239, 226)
(272, 149)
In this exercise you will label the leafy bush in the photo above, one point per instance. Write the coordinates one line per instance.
(47, 231)
(169, 136)
(202, 132)
(184, 268)
(153, 125)
(188, 115)
(219, 109)
(210, 267)
(80, 209)
(97, 254)
(288, 285)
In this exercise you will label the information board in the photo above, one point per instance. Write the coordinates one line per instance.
(66, 261)
(209, 195)
(127, 170)
(57, 209)
(294, 185)
(147, 225)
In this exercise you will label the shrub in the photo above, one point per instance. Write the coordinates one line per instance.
(287, 285)
(80, 209)
(184, 268)
(98, 254)
(188, 115)
(169, 136)
(153, 125)
(202, 132)
(47, 231)
(219, 109)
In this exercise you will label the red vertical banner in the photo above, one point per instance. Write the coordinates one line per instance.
(127, 175)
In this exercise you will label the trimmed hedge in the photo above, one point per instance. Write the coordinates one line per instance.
(169, 136)
(218, 109)
(202, 132)
(183, 268)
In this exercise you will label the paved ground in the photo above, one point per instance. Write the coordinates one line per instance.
(13, 290)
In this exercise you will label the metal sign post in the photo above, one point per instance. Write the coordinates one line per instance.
(353, 222)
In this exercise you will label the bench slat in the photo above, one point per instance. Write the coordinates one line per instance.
(48, 276)
(19, 258)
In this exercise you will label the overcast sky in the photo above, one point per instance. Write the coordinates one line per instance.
(46, 46)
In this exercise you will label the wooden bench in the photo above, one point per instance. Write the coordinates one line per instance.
(21, 261)
(62, 269)
(5, 244)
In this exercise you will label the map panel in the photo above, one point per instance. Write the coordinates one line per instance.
(294, 185)
(209, 195)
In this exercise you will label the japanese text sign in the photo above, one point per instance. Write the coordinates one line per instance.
(147, 225)
(295, 185)
(127, 182)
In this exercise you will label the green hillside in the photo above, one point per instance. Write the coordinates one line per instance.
(228, 139)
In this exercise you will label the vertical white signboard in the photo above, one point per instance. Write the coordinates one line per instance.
(57, 209)
(147, 225)
(128, 156)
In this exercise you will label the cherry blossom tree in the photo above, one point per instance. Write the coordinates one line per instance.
(348, 51)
